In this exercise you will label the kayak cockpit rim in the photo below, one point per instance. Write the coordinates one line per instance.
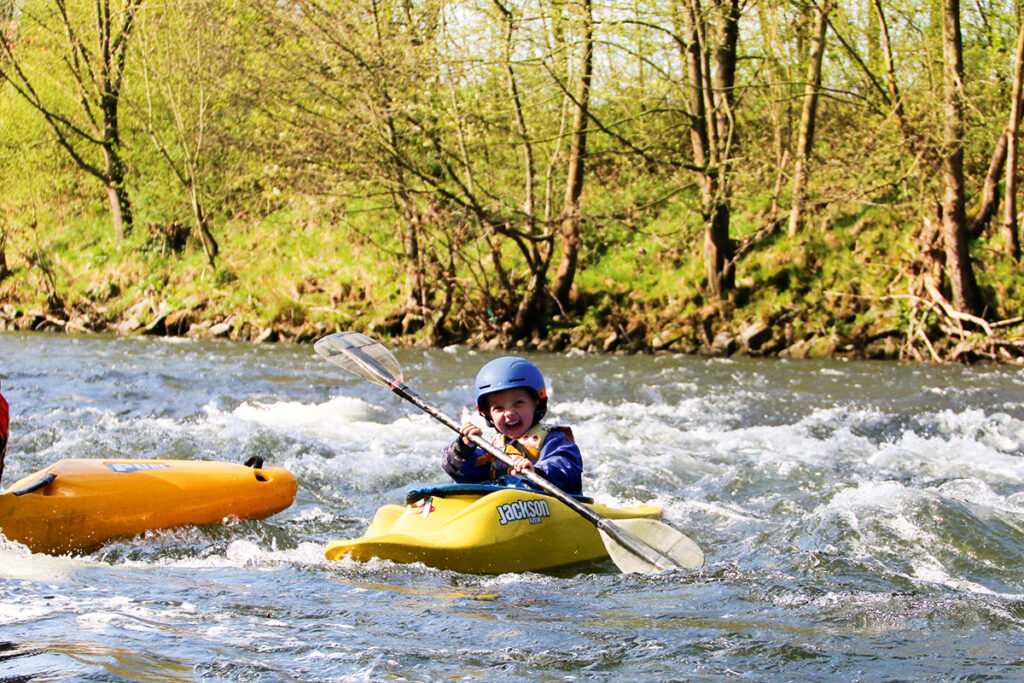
(443, 490)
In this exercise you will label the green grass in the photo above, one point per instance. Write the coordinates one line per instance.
(299, 267)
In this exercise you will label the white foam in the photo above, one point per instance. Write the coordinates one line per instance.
(246, 553)
(242, 553)
(341, 420)
(18, 562)
(938, 457)
(23, 611)
(292, 415)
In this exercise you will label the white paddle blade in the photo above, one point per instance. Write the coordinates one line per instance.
(361, 356)
(676, 547)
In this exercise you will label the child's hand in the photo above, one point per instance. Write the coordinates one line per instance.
(467, 430)
(520, 463)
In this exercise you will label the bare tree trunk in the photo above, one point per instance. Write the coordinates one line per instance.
(210, 247)
(535, 247)
(966, 296)
(807, 117)
(1012, 129)
(569, 228)
(990, 192)
(726, 39)
(4, 270)
(112, 53)
(712, 130)
(719, 248)
(415, 295)
(699, 131)
(120, 211)
(112, 69)
(895, 98)
(777, 105)
(695, 73)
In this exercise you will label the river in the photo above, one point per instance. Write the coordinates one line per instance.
(862, 521)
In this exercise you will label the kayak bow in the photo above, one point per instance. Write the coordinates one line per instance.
(77, 504)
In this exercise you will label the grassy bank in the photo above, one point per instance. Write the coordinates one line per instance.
(846, 288)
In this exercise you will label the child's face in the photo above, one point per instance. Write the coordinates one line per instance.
(512, 411)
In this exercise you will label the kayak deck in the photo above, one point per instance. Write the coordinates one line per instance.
(484, 529)
(77, 504)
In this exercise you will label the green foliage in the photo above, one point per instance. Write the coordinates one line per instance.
(318, 139)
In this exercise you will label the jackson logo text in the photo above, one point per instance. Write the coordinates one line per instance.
(533, 510)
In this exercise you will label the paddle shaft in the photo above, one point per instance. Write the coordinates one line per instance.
(624, 538)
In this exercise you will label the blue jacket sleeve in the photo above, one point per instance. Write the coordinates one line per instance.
(460, 462)
(560, 462)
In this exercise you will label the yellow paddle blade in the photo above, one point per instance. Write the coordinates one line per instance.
(674, 548)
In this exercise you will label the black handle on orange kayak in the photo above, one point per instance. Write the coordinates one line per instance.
(36, 485)
(653, 546)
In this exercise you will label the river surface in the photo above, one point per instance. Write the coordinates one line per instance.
(862, 521)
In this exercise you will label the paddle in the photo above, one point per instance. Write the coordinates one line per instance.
(635, 545)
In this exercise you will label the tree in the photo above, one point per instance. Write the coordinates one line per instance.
(778, 96)
(966, 295)
(805, 139)
(175, 113)
(83, 110)
(533, 238)
(570, 219)
(351, 93)
(710, 57)
(1012, 130)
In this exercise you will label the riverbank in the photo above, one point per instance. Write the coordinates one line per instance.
(861, 291)
(703, 333)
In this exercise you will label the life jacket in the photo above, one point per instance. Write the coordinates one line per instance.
(531, 442)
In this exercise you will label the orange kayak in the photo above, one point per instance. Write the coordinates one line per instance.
(77, 504)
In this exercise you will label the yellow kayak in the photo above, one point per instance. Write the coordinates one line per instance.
(484, 529)
(78, 504)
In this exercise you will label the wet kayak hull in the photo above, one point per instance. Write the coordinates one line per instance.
(481, 529)
(78, 504)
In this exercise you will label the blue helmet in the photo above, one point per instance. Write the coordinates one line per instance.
(510, 372)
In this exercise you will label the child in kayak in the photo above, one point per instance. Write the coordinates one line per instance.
(512, 398)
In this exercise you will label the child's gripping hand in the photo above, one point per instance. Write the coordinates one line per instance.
(520, 463)
(467, 430)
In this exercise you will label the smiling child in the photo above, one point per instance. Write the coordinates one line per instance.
(512, 398)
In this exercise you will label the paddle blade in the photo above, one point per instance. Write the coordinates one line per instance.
(361, 356)
(673, 548)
